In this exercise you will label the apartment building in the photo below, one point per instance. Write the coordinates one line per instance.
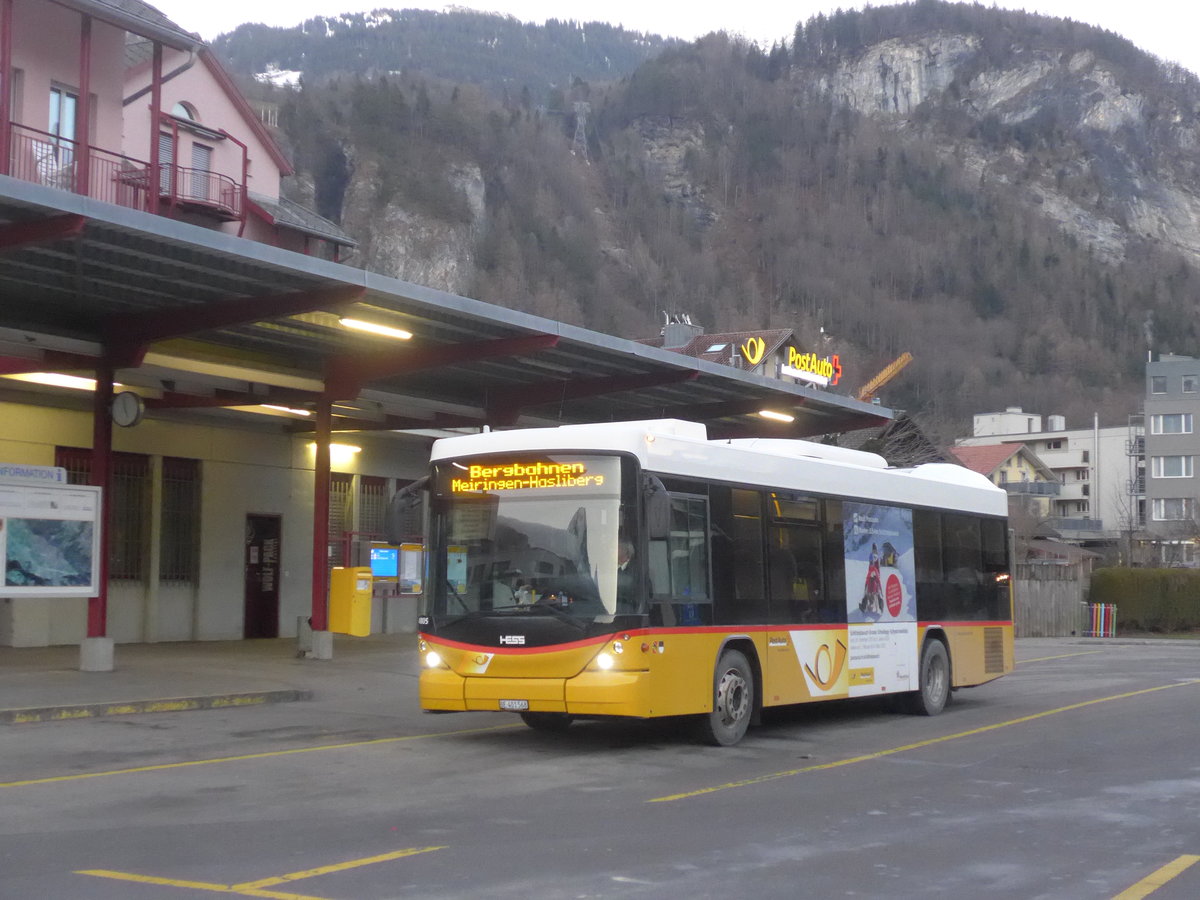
(1096, 498)
(1172, 502)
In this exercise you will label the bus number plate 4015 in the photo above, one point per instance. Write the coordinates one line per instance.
(515, 705)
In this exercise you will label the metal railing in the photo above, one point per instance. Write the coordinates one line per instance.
(1033, 488)
(1060, 523)
(43, 158)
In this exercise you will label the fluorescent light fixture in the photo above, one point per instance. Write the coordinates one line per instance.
(373, 328)
(286, 409)
(58, 379)
(776, 416)
(339, 454)
(338, 448)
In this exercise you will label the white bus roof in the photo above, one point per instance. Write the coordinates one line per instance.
(672, 447)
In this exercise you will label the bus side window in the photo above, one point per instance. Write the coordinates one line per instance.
(737, 556)
(833, 606)
(927, 552)
(962, 560)
(678, 566)
(795, 563)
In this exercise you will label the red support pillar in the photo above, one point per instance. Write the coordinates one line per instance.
(320, 558)
(83, 110)
(6, 67)
(97, 617)
(153, 189)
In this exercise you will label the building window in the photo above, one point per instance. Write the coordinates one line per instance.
(341, 516)
(55, 158)
(62, 113)
(373, 502)
(1171, 423)
(1171, 466)
(202, 186)
(1053, 445)
(1189, 383)
(1177, 553)
(129, 505)
(166, 162)
(1158, 384)
(179, 527)
(1172, 509)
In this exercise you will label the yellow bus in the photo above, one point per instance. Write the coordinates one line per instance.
(638, 569)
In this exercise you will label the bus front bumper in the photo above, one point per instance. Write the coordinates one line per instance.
(590, 693)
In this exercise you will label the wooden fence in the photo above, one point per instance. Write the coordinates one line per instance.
(1049, 601)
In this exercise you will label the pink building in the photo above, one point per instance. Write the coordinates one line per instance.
(166, 129)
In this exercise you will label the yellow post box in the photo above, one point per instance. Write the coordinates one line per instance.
(350, 600)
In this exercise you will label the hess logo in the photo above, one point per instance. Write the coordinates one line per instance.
(512, 640)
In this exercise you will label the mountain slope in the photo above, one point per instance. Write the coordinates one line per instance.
(1006, 196)
(463, 46)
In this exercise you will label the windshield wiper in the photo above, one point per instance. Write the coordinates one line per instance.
(546, 607)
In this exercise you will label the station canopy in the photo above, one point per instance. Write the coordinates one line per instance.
(204, 324)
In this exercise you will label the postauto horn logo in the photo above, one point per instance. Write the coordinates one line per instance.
(753, 350)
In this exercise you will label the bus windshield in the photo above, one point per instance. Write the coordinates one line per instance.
(539, 533)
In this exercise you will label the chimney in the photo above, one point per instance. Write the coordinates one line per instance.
(679, 331)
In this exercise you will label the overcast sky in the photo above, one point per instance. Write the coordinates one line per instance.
(1166, 28)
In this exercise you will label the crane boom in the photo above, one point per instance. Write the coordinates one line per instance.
(871, 388)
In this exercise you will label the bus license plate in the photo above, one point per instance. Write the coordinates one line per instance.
(514, 705)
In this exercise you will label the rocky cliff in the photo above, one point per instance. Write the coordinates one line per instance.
(1131, 180)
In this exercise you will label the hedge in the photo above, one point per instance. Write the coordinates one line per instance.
(1150, 599)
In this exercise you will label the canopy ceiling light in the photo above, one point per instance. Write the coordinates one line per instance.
(287, 409)
(776, 416)
(58, 379)
(374, 328)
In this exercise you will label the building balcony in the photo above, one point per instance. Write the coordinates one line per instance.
(1075, 490)
(1063, 524)
(1033, 488)
(43, 158)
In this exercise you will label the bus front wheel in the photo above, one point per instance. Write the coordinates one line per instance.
(933, 692)
(733, 701)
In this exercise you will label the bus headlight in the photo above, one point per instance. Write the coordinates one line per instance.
(604, 662)
(433, 660)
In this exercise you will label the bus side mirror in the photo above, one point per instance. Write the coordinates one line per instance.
(398, 520)
(658, 509)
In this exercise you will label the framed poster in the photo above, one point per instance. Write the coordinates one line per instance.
(49, 540)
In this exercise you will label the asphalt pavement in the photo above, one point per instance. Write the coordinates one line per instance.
(42, 684)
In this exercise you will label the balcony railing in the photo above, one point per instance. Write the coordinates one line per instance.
(1033, 488)
(1076, 524)
(43, 158)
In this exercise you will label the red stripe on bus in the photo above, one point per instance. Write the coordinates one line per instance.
(690, 629)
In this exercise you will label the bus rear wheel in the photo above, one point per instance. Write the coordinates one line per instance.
(733, 701)
(547, 721)
(933, 692)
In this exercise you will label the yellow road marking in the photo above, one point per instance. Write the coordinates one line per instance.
(336, 867)
(190, 885)
(268, 754)
(1063, 656)
(761, 779)
(1157, 879)
(257, 888)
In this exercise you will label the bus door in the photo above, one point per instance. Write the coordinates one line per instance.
(807, 640)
